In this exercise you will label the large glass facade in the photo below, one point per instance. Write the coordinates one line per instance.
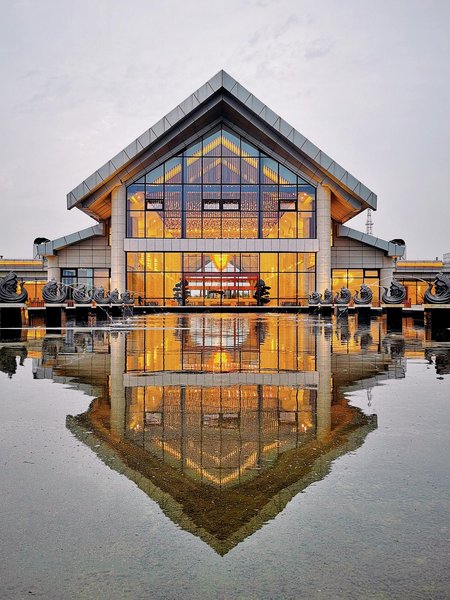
(219, 279)
(221, 187)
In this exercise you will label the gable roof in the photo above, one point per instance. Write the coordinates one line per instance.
(282, 141)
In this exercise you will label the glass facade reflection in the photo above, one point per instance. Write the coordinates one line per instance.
(219, 278)
(221, 187)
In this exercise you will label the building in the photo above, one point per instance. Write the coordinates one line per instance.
(217, 195)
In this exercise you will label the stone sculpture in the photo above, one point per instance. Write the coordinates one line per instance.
(127, 297)
(8, 290)
(442, 290)
(100, 297)
(114, 297)
(82, 295)
(343, 297)
(54, 292)
(327, 297)
(365, 295)
(314, 298)
(395, 295)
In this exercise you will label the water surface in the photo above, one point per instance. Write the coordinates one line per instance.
(221, 456)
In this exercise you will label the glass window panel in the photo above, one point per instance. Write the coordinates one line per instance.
(269, 170)
(248, 149)
(306, 225)
(193, 199)
(154, 261)
(135, 197)
(231, 144)
(172, 261)
(155, 176)
(305, 284)
(212, 192)
(249, 198)
(212, 144)
(231, 172)
(230, 226)
(230, 204)
(288, 262)
(271, 280)
(172, 197)
(306, 197)
(371, 273)
(153, 225)
(269, 197)
(287, 176)
(172, 224)
(135, 261)
(250, 170)
(212, 170)
(287, 286)
(269, 262)
(287, 197)
(154, 197)
(154, 286)
(192, 170)
(231, 192)
(193, 225)
(135, 284)
(173, 170)
(249, 227)
(192, 261)
(211, 204)
(270, 225)
(170, 281)
(211, 223)
(288, 225)
(194, 149)
(136, 224)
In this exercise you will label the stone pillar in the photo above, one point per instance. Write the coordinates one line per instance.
(118, 229)
(323, 414)
(117, 420)
(53, 270)
(323, 258)
(387, 271)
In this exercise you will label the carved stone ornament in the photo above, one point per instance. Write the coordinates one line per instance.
(54, 292)
(81, 295)
(327, 297)
(314, 298)
(343, 297)
(114, 297)
(8, 290)
(441, 294)
(395, 295)
(127, 297)
(365, 295)
(100, 297)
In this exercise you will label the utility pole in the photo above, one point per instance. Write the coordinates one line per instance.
(369, 222)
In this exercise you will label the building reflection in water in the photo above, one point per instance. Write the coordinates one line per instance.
(223, 419)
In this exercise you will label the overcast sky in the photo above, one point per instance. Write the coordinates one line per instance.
(367, 81)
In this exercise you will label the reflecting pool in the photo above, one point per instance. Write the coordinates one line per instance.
(225, 456)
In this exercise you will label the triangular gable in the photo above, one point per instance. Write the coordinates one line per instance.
(198, 110)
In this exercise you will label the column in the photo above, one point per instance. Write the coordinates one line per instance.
(117, 419)
(323, 406)
(53, 270)
(387, 271)
(323, 258)
(118, 229)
